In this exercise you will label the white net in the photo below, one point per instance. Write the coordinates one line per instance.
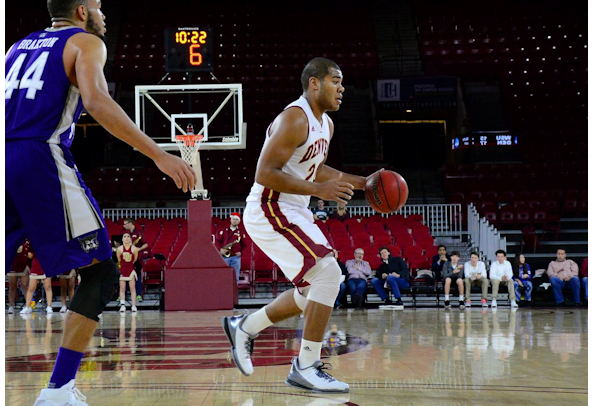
(189, 146)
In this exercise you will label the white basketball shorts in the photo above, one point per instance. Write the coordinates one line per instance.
(287, 234)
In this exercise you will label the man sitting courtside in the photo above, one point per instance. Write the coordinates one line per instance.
(453, 272)
(359, 270)
(231, 242)
(475, 274)
(438, 262)
(394, 273)
(563, 273)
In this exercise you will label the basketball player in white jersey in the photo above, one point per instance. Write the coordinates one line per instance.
(290, 170)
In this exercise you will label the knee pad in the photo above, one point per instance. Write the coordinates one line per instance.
(300, 296)
(324, 280)
(97, 285)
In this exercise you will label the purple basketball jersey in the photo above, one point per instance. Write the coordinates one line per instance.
(41, 104)
(46, 198)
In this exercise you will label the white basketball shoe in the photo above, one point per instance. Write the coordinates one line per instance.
(67, 395)
(242, 343)
(314, 378)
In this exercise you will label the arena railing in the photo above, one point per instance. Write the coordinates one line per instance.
(484, 236)
(444, 220)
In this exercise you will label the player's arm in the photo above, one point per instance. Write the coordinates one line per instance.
(288, 132)
(89, 59)
(325, 172)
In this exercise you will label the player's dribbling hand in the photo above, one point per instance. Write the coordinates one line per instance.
(335, 190)
(177, 169)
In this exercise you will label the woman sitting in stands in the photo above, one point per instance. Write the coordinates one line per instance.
(522, 276)
(341, 213)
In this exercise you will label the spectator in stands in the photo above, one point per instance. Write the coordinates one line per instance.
(139, 242)
(438, 261)
(394, 273)
(475, 274)
(584, 278)
(19, 270)
(345, 276)
(453, 272)
(36, 275)
(564, 273)
(501, 271)
(67, 280)
(522, 278)
(341, 213)
(358, 270)
(321, 213)
(231, 242)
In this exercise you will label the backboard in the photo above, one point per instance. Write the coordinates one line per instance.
(216, 111)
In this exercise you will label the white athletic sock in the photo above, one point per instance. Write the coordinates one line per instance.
(310, 353)
(122, 302)
(256, 322)
(447, 297)
(460, 297)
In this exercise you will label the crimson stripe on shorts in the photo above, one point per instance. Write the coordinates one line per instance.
(308, 260)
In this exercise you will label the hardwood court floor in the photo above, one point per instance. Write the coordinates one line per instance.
(410, 357)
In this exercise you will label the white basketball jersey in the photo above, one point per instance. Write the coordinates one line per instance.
(305, 160)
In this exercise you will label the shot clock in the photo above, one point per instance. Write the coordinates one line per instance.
(188, 49)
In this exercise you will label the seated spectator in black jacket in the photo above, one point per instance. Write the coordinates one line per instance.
(392, 272)
(438, 260)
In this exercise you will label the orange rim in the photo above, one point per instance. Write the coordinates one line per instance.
(189, 140)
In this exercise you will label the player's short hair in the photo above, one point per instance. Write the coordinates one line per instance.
(63, 8)
(317, 68)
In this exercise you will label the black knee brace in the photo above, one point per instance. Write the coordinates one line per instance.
(97, 285)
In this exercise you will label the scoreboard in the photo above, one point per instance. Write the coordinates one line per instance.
(484, 139)
(189, 49)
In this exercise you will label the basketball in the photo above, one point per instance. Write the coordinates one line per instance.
(386, 191)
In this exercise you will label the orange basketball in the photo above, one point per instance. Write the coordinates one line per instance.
(386, 191)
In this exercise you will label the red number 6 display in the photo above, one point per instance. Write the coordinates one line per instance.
(195, 55)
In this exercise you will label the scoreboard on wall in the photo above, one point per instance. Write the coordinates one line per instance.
(484, 139)
(189, 49)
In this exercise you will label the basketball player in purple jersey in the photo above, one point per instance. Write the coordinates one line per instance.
(50, 75)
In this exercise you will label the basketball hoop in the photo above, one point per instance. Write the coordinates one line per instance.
(188, 145)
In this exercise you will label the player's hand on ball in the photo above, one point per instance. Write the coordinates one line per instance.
(177, 169)
(335, 190)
